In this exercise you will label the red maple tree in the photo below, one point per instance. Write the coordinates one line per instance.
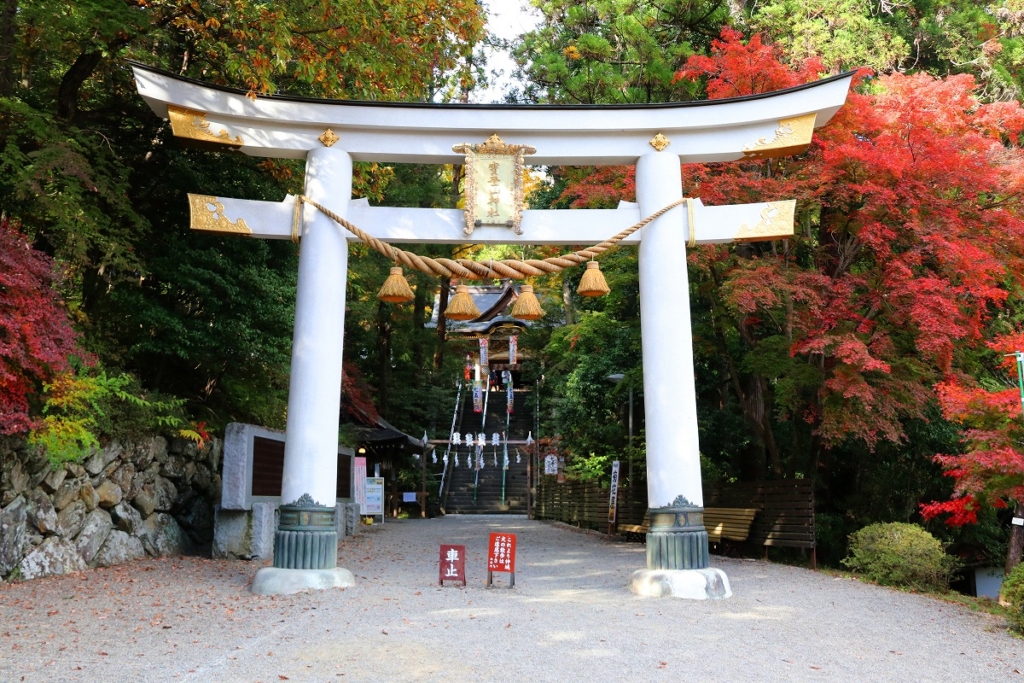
(991, 470)
(36, 338)
(909, 223)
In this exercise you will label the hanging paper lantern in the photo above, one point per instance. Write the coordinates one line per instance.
(395, 289)
(526, 306)
(592, 283)
(461, 306)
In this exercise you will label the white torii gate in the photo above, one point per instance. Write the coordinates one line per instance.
(330, 135)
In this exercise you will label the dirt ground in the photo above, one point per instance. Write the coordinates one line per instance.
(569, 618)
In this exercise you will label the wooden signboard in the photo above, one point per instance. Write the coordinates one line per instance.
(501, 557)
(453, 564)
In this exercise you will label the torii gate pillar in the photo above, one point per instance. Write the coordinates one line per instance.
(306, 537)
(677, 543)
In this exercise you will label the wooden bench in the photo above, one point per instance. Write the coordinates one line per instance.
(785, 512)
(728, 523)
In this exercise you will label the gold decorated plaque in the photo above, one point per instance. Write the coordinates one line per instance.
(494, 183)
(208, 216)
(776, 223)
(192, 125)
(791, 136)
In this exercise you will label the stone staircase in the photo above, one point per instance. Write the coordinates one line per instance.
(480, 492)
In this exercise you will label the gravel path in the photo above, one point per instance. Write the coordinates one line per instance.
(569, 618)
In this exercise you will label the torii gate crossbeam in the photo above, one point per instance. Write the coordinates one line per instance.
(330, 135)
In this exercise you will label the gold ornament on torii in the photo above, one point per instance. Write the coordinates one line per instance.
(494, 183)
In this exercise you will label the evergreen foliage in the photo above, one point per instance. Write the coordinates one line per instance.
(1013, 593)
(898, 554)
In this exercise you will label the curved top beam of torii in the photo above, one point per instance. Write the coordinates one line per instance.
(767, 125)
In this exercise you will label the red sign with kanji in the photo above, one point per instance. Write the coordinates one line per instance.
(501, 554)
(453, 564)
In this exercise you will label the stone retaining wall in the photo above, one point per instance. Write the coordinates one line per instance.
(122, 503)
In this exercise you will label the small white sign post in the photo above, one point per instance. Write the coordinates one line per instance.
(613, 497)
(329, 135)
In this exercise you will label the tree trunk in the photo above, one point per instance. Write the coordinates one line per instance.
(419, 309)
(8, 35)
(442, 323)
(570, 310)
(71, 84)
(383, 357)
(1016, 547)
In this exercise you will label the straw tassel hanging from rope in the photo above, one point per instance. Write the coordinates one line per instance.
(526, 306)
(461, 306)
(396, 289)
(593, 283)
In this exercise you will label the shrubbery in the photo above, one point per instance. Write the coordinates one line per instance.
(1013, 593)
(897, 554)
(86, 407)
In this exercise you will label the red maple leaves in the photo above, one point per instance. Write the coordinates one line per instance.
(909, 225)
(35, 335)
(992, 468)
(911, 222)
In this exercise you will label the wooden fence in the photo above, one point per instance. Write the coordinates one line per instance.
(785, 508)
(585, 503)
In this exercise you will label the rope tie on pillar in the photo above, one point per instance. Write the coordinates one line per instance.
(296, 219)
(691, 224)
(468, 269)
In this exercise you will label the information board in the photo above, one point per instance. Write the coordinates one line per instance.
(501, 553)
(374, 496)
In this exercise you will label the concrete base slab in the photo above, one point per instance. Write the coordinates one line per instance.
(276, 581)
(692, 584)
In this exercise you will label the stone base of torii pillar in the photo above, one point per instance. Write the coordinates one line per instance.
(677, 558)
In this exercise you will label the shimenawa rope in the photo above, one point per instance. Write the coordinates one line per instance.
(468, 269)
